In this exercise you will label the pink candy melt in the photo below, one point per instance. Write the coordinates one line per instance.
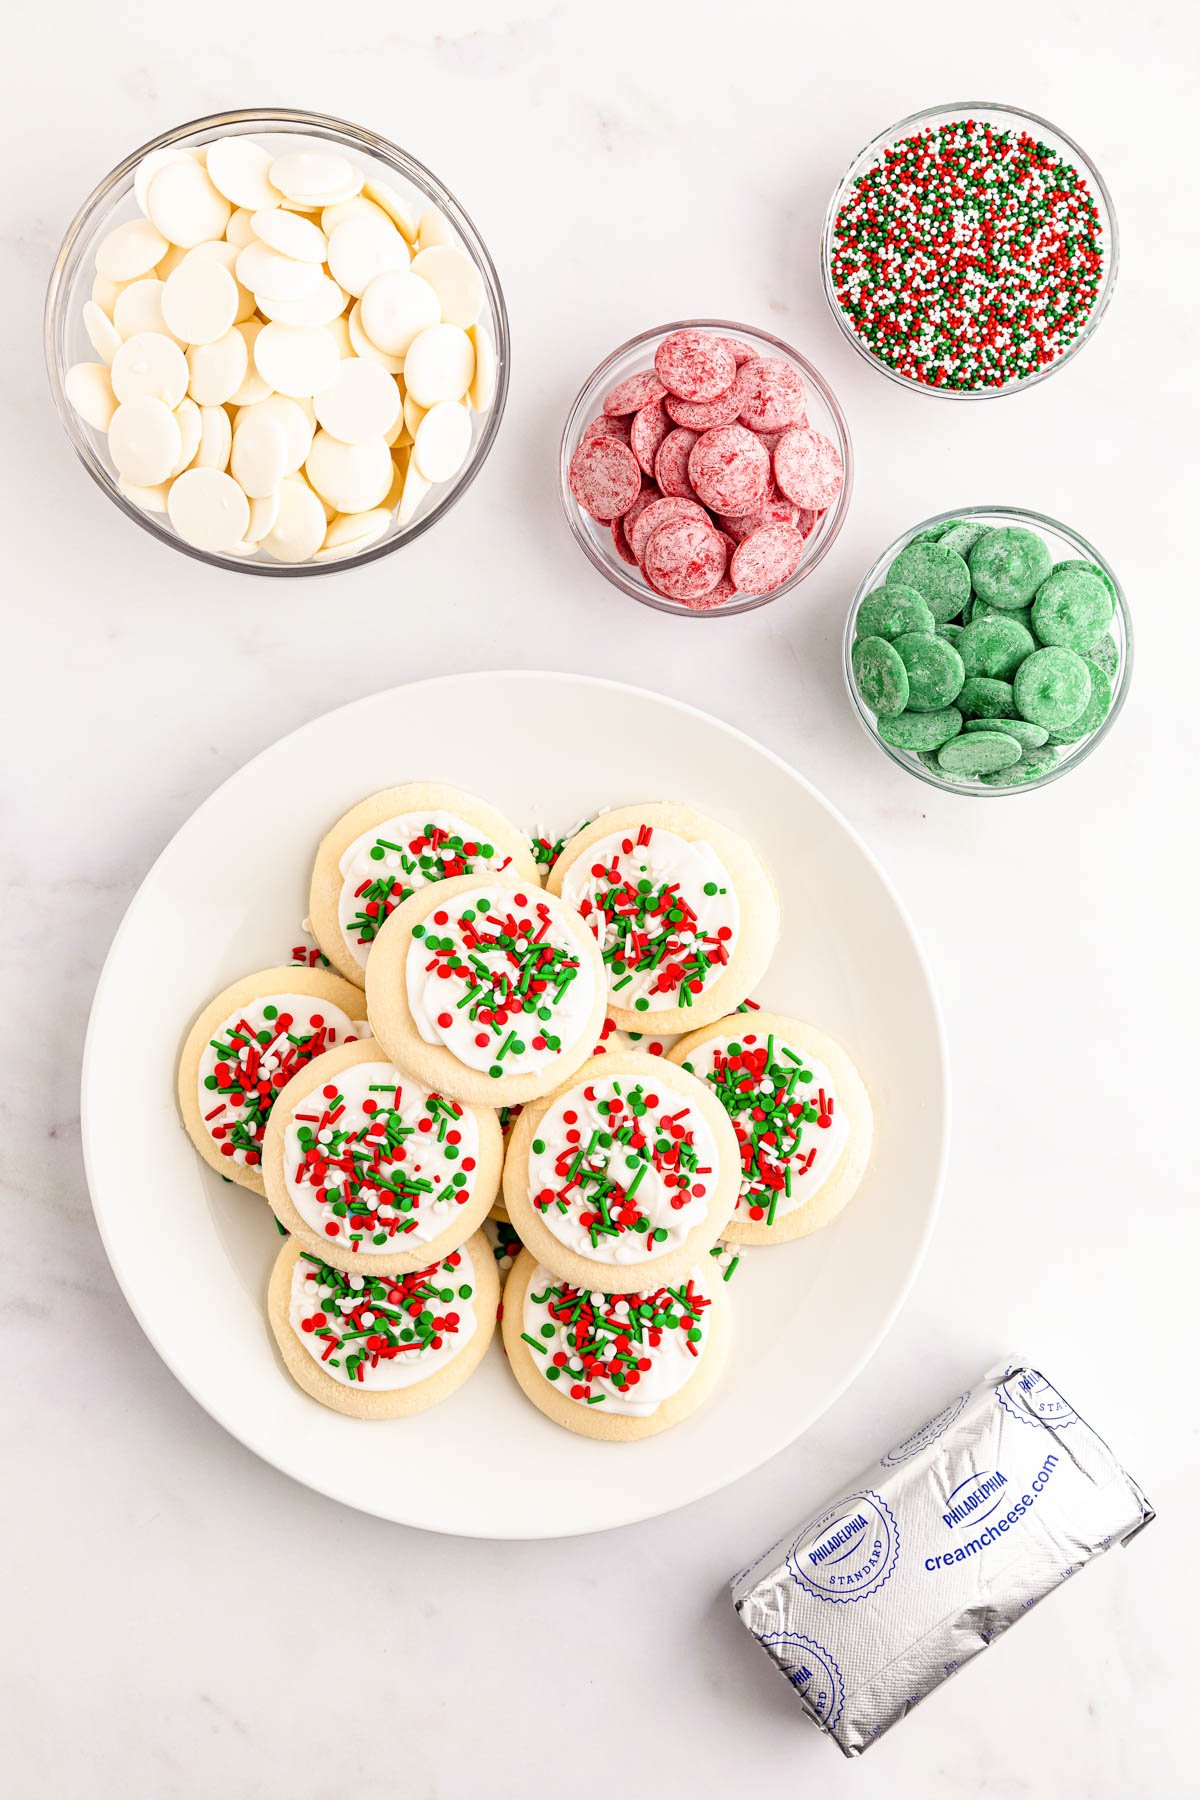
(605, 478)
(808, 468)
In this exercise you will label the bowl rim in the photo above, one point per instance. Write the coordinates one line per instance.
(367, 142)
(967, 108)
(908, 760)
(572, 436)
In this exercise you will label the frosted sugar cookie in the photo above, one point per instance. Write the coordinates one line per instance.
(246, 1045)
(684, 912)
(366, 1167)
(615, 1366)
(391, 845)
(801, 1114)
(625, 1177)
(611, 1038)
(383, 1346)
(492, 990)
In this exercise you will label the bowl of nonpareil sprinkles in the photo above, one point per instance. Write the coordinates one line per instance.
(969, 250)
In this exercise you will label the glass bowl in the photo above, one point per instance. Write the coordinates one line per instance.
(1064, 544)
(1007, 118)
(66, 340)
(595, 539)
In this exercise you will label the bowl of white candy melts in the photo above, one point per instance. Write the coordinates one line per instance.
(277, 342)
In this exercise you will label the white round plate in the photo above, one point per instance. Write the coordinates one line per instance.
(193, 1253)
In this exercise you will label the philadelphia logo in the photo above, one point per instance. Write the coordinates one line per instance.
(811, 1670)
(974, 1499)
(848, 1552)
(844, 1534)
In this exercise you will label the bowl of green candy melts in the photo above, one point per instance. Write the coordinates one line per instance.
(988, 651)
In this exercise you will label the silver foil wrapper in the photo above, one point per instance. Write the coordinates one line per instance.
(939, 1546)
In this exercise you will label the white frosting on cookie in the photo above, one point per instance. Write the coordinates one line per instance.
(810, 1130)
(401, 1159)
(621, 1169)
(650, 956)
(360, 1328)
(407, 851)
(501, 1008)
(640, 1361)
(297, 1028)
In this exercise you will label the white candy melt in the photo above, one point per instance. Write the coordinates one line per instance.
(350, 477)
(290, 234)
(144, 441)
(191, 429)
(454, 279)
(208, 509)
(200, 300)
(259, 459)
(348, 533)
(130, 250)
(239, 169)
(362, 402)
(138, 307)
(442, 440)
(150, 363)
(396, 306)
(216, 438)
(216, 371)
(296, 359)
(88, 387)
(299, 530)
(439, 365)
(185, 206)
(363, 248)
(105, 338)
(295, 423)
(303, 173)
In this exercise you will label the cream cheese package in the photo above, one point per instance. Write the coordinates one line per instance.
(935, 1551)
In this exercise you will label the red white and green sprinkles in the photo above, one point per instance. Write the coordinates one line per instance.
(626, 1353)
(253, 1054)
(664, 911)
(968, 256)
(789, 1127)
(620, 1170)
(375, 1161)
(383, 1331)
(499, 980)
(385, 865)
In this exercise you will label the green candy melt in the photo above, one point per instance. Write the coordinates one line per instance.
(983, 609)
(983, 697)
(1105, 654)
(981, 753)
(893, 609)
(1031, 767)
(880, 675)
(1030, 737)
(935, 670)
(951, 633)
(1072, 608)
(1008, 565)
(961, 537)
(940, 577)
(996, 645)
(1052, 687)
(1094, 713)
(1092, 568)
(921, 731)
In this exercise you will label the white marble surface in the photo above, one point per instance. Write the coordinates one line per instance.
(626, 164)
